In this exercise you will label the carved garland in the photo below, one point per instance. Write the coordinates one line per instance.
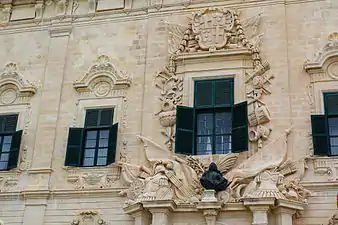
(226, 32)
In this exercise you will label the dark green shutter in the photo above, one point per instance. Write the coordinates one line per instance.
(106, 117)
(223, 92)
(74, 147)
(15, 150)
(203, 94)
(92, 118)
(331, 103)
(319, 134)
(112, 143)
(239, 135)
(185, 135)
(10, 123)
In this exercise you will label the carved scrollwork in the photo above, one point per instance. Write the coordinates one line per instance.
(93, 179)
(102, 79)
(210, 30)
(324, 66)
(89, 218)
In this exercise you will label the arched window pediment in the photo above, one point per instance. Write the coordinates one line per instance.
(102, 77)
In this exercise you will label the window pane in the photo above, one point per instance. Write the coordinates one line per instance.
(7, 139)
(333, 125)
(89, 153)
(204, 146)
(103, 152)
(90, 143)
(101, 161)
(205, 124)
(223, 144)
(4, 157)
(6, 147)
(332, 103)
(91, 134)
(88, 161)
(334, 141)
(334, 150)
(1, 138)
(103, 143)
(104, 133)
(223, 123)
(3, 165)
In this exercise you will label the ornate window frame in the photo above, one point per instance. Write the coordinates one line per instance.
(323, 71)
(15, 98)
(102, 86)
(191, 55)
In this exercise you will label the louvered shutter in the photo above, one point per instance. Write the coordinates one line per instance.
(92, 118)
(10, 123)
(15, 150)
(319, 135)
(331, 103)
(184, 139)
(112, 144)
(223, 92)
(239, 135)
(106, 117)
(74, 147)
(203, 94)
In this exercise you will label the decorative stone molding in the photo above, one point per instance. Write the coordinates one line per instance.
(9, 182)
(39, 7)
(103, 79)
(333, 220)
(93, 178)
(157, 4)
(6, 12)
(168, 176)
(225, 35)
(89, 218)
(325, 166)
(13, 87)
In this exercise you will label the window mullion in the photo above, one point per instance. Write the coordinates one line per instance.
(96, 147)
(214, 132)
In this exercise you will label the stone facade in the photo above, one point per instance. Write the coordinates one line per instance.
(61, 57)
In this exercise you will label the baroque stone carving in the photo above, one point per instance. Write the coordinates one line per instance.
(93, 179)
(210, 30)
(165, 175)
(13, 87)
(8, 182)
(102, 78)
(324, 66)
(6, 13)
(89, 218)
(333, 220)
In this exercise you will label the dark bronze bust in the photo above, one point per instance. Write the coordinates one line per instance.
(213, 179)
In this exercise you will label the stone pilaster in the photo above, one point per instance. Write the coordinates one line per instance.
(141, 215)
(260, 208)
(49, 106)
(35, 207)
(285, 209)
(160, 210)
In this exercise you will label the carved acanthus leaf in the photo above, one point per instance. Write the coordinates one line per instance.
(102, 78)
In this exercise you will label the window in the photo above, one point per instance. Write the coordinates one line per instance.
(10, 141)
(214, 125)
(325, 127)
(95, 144)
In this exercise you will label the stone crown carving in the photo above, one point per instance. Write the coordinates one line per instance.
(13, 85)
(89, 217)
(102, 77)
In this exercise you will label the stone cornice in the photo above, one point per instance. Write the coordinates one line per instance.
(130, 14)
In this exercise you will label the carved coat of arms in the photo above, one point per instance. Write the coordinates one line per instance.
(213, 28)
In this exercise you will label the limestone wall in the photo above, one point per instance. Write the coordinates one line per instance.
(55, 45)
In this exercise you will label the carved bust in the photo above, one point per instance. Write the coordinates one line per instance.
(213, 179)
